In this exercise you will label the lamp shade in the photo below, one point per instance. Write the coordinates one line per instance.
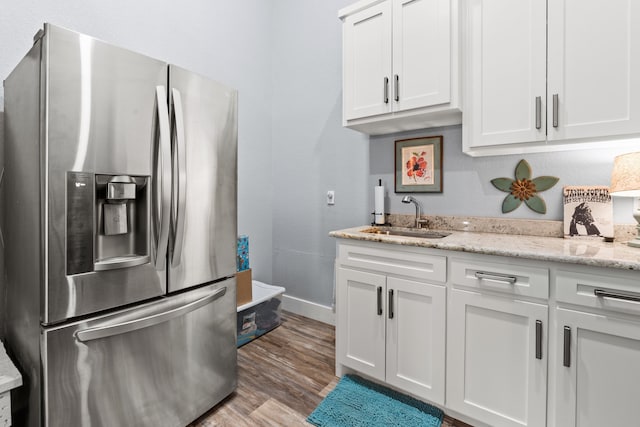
(625, 177)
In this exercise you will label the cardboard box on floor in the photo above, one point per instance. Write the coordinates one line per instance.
(243, 287)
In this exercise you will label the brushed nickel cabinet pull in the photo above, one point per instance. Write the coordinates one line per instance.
(555, 110)
(538, 112)
(627, 296)
(538, 339)
(496, 277)
(566, 359)
(396, 88)
(386, 90)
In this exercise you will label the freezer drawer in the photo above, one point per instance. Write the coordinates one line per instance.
(159, 364)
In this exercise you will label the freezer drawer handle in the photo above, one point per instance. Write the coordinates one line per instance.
(145, 322)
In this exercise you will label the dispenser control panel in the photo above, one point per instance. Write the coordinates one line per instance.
(80, 202)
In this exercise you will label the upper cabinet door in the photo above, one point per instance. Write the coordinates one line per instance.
(505, 73)
(367, 62)
(594, 68)
(421, 53)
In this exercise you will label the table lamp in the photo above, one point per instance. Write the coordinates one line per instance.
(625, 182)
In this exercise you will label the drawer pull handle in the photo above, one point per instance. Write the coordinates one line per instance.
(566, 359)
(390, 303)
(379, 301)
(556, 107)
(538, 339)
(496, 277)
(627, 296)
(538, 112)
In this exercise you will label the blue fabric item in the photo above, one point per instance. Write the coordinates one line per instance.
(242, 259)
(356, 402)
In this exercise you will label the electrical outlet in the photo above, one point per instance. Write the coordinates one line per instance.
(331, 197)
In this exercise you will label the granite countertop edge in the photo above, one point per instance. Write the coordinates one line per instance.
(592, 252)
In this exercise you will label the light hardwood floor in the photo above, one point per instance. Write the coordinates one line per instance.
(282, 377)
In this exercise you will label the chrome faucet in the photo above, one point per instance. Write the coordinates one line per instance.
(411, 199)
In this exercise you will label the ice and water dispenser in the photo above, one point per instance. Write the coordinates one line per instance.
(108, 221)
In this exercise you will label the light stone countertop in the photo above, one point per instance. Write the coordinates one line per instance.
(10, 378)
(593, 252)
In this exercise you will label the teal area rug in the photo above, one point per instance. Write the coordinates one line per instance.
(356, 402)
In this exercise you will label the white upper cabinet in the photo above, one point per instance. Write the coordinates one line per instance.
(367, 47)
(594, 68)
(400, 65)
(542, 76)
(421, 53)
(505, 76)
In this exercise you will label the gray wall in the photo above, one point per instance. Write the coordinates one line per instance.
(467, 189)
(312, 153)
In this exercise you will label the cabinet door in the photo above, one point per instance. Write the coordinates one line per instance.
(361, 318)
(421, 53)
(600, 387)
(416, 338)
(505, 73)
(594, 68)
(493, 373)
(367, 62)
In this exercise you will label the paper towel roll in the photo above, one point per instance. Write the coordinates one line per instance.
(379, 204)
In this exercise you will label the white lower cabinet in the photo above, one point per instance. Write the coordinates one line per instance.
(598, 370)
(393, 330)
(416, 338)
(496, 359)
(360, 326)
(408, 316)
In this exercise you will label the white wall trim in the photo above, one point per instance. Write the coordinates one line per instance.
(309, 309)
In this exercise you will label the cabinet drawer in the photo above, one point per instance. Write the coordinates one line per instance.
(514, 279)
(598, 291)
(399, 262)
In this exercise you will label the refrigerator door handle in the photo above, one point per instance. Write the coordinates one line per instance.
(181, 177)
(110, 330)
(164, 160)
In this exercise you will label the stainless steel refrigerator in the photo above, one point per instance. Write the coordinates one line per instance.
(120, 236)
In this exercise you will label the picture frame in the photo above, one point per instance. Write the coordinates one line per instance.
(418, 165)
(588, 212)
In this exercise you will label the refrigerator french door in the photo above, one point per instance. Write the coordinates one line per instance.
(119, 217)
(204, 179)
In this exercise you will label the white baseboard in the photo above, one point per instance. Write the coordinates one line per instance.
(309, 309)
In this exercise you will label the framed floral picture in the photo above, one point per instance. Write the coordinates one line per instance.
(418, 165)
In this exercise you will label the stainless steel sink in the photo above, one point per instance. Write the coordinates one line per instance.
(407, 232)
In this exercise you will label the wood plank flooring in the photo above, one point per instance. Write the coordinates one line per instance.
(282, 377)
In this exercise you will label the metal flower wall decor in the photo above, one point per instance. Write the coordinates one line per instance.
(524, 189)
